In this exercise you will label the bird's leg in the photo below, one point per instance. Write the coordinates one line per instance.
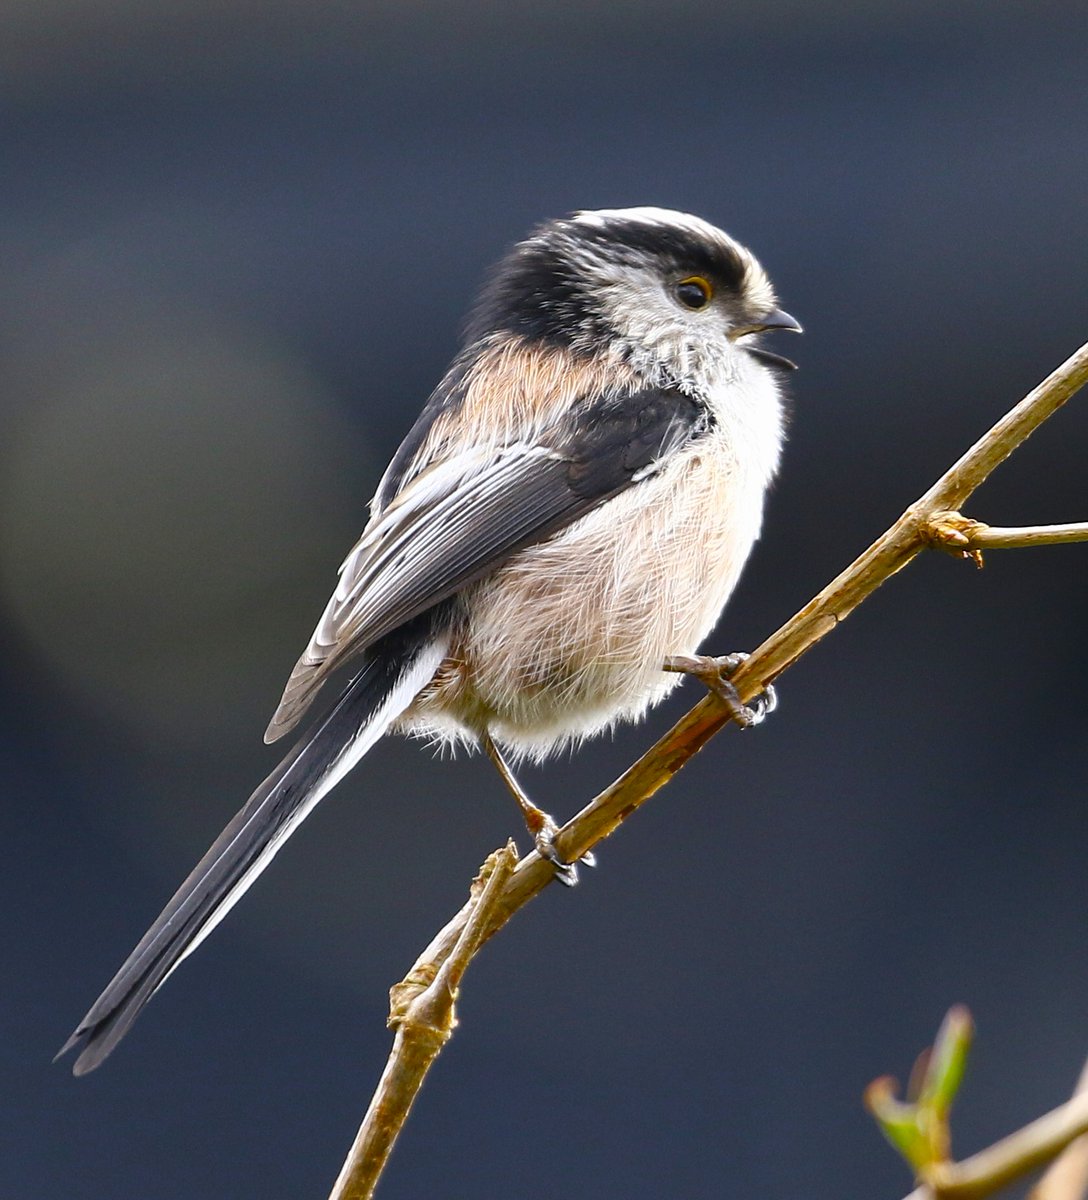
(714, 674)
(542, 826)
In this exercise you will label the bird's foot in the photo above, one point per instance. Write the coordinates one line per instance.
(540, 824)
(544, 829)
(714, 672)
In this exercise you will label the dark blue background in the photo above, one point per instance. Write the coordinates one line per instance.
(238, 243)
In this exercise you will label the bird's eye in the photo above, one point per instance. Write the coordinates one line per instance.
(694, 292)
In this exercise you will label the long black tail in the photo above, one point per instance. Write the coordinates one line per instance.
(398, 667)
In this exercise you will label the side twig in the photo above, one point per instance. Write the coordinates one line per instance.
(994, 537)
(913, 532)
(422, 1012)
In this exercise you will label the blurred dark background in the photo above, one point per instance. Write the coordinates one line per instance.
(238, 242)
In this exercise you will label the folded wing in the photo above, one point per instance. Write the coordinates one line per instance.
(464, 516)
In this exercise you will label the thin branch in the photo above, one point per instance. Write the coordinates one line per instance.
(423, 1015)
(887, 555)
(1009, 1159)
(996, 537)
(1067, 1176)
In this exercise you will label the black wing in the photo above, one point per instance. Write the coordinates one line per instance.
(464, 516)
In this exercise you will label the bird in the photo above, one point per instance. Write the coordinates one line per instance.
(549, 546)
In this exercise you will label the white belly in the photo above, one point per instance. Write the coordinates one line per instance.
(570, 635)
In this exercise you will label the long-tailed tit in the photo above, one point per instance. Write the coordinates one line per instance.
(566, 518)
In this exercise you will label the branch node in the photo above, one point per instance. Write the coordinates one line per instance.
(954, 533)
(425, 996)
(401, 995)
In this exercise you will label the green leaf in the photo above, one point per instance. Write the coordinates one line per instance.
(944, 1072)
(918, 1127)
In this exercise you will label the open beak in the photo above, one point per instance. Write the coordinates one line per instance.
(777, 318)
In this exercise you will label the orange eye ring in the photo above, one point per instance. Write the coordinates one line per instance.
(694, 292)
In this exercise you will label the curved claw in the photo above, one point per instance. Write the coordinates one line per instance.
(566, 873)
(763, 705)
